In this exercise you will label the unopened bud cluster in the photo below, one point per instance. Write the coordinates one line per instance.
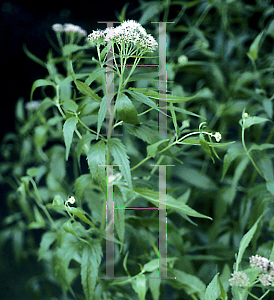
(128, 32)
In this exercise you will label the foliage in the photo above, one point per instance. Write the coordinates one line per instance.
(219, 194)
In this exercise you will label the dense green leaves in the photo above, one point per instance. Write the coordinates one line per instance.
(91, 257)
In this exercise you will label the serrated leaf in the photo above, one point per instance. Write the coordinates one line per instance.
(153, 197)
(119, 153)
(90, 262)
(119, 214)
(142, 98)
(126, 110)
(68, 130)
(96, 157)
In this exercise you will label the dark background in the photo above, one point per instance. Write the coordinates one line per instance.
(27, 22)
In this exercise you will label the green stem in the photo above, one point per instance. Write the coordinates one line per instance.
(249, 156)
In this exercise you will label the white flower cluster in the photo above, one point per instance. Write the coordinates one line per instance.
(265, 266)
(69, 28)
(239, 279)
(128, 32)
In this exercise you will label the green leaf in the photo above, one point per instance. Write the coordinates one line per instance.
(101, 114)
(231, 154)
(40, 136)
(68, 130)
(154, 285)
(249, 121)
(254, 47)
(236, 177)
(245, 242)
(94, 75)
(90, 262)
(80, 213)
(261, 147)
(48, 239)
(70, 48)
(145, 76)
(119, 214)
(270, 186)
(33, 57)
(189, 283)
(153, 197)
(86, 90)
(119, 153)
(70, 105)
(174, 119)
(139, 285)
(151, 149)
(205, 146)
(213, 289)
(142, 98)
(96, 157)
(126, 110)
(196, 178)
(39, 83)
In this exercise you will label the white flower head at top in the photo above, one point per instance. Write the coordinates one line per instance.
(128, 32)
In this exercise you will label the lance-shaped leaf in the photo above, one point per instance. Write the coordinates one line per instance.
(68, 130)
(96, 157)
(119, 153)
(153, 197)
(126, 110)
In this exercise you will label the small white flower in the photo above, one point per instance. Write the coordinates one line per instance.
(57, 27)
(33, 105)
(182, 60)
(266, 279)
(71, 200)
(217, 136)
